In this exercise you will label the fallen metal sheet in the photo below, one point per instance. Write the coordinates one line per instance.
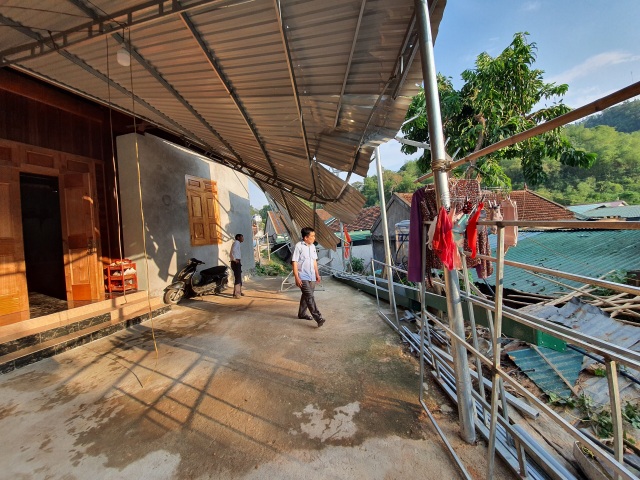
(591, 320)
(569, 363)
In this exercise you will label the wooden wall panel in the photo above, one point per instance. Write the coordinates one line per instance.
(46, 126)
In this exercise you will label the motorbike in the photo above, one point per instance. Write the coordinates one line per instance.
(212, 281)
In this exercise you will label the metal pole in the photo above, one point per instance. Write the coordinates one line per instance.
(385, 235)
(616, 411)
(474, 334)
(497, 333)
(268, 247)
(466, 411)
(344, 268)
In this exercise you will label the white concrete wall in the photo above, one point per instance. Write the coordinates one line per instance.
(163, 167)
(334, 259)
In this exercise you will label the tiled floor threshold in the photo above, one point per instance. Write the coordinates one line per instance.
(18, 352)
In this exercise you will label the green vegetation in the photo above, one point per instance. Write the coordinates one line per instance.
(273, 268)
(357, 264)
(625, 117)
(500, 98)
(614, 176)
(401, 181)
(599, 418)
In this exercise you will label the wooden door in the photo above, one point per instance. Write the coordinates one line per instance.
(14, 297)
(80, 238)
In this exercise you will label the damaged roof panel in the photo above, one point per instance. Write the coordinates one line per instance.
(267, 85)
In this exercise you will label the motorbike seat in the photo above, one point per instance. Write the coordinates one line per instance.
(217, 271)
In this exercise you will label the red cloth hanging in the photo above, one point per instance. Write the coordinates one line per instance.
(347, 243)
(443, 244)
(472, 231)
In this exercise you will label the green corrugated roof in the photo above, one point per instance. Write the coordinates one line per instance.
(569, 363)
(357, 235)
(629, 211)
(591, 253)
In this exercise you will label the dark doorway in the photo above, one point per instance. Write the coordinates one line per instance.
(42, 235)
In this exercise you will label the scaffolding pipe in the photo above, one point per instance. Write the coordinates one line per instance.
(466, 409)
(385, 236)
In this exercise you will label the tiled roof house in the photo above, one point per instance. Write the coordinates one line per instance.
(365, 220)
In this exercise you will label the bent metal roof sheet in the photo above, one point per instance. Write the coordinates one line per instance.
(285, 91)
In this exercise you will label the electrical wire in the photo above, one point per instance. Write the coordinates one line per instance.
(115, 179)
(144, 233)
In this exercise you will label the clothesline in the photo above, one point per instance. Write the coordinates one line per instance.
(456, 230)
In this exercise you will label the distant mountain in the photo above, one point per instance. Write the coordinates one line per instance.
(625, 117)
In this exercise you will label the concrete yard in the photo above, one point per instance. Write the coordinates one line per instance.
(239, 389)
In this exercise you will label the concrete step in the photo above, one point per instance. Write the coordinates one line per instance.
(60, 319)
(51, 338)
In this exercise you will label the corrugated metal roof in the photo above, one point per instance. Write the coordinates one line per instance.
(534, 366)
(584, 252)
(629, 211)
(302, 216)
(282, 91)
(592, 321)
(364, 221)
(591, 206)
(356, 235)
(276, 223)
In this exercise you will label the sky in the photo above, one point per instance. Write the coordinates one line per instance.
(591, 45)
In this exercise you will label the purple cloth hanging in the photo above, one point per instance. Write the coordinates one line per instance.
(414, 268)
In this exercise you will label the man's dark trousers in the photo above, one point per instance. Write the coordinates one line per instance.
(236, 267)
(307, 301)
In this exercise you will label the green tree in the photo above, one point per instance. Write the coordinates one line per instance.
(624, 117)
(402, 181)
(500, 98)
(263, 213)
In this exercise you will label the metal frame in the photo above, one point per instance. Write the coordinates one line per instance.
(211, 58)
(501, 432)
(100, 26)
(593, 107)
(348, 69)
(294, 87)
(437, 143)
(399, 68)
(174, 93)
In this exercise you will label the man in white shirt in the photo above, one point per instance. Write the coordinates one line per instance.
(236, 266)
(305, 271)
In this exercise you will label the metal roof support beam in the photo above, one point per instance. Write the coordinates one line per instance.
(100, 26)
(294, 87)
(211, 58)
(81, 5)
(82, 64)
(466, 410)
(346, 73)
(407, 49)
(209, 150)
(403, 66)
(262, 176)
(155, 74)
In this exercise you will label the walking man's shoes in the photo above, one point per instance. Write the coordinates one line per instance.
(320, 322)
(305, 317)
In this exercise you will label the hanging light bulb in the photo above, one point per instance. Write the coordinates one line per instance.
(123, 57)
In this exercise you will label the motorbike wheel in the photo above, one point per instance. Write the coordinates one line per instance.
(172, 297)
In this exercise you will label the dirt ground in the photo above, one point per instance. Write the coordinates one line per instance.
(239, 389)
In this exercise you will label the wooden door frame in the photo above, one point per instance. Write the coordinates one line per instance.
(42, 161)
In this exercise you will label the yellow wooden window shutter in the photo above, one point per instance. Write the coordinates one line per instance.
(204, 212)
